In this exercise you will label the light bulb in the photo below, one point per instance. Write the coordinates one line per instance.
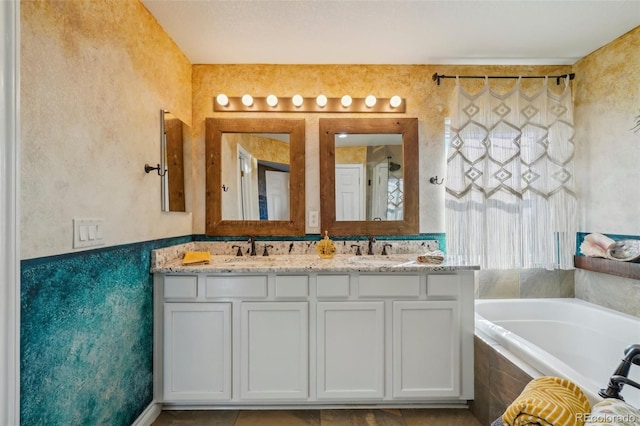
(272, 100)
(370, 101)
(345, 101)
(222, 99)
(395, 101)
(297, 100)
(321, 100)
(247, 100)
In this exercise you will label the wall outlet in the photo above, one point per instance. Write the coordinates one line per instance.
(88, 232)
(313, 219)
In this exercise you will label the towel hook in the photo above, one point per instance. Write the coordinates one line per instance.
(434, 180)
(148, 168)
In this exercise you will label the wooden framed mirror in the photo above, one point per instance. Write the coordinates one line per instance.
(255, 177)
(173, 139)
(369, 182)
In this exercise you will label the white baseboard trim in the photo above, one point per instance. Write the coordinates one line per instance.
(147, 417)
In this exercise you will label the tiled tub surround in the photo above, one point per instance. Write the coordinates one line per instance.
(618, 293)
(297, 330)
(524, 283)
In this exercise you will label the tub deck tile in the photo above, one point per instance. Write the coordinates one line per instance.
(498, 382)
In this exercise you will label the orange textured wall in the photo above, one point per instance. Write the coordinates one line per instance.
(94, 77)
(607, 100)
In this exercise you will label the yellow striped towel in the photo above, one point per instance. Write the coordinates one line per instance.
(196, 258)
(548, 401)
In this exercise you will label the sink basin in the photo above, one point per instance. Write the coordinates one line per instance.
(379, 260)
(229, 260)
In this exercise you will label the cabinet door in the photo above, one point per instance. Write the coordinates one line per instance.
(350, 350)
(426, 349)
(274, 350)
(197, 351)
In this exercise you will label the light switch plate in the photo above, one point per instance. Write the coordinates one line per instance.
(88, 232)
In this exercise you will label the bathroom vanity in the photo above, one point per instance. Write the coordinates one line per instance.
(297, 330)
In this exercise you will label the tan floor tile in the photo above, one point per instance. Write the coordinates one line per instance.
(346, 417)
(196, 418)
(440, 417)
(216, 417)
(388, 417)
(278, 418)
(361, 418)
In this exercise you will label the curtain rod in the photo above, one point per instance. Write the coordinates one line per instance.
(436, 77)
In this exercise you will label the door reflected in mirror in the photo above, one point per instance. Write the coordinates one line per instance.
(369, 177)
(255, 176)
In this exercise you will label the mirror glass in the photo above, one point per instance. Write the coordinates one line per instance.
(369, 176)
(174, 137)
(369, 180)
(255, 176)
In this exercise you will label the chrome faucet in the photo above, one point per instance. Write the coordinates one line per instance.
(252, 241)
(372, 240)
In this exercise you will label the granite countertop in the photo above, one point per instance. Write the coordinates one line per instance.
(304, 263)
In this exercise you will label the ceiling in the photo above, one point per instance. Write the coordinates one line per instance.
(503, 32)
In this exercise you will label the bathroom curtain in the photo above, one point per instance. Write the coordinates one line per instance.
(510, 200)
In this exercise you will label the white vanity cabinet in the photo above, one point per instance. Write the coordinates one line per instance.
(427, 340)
(350, 350)
(274, 350)
(426, 349)
(315, 338)
(197, 351)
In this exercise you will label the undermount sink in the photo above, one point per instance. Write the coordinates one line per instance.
(380, 260)
(241, 259)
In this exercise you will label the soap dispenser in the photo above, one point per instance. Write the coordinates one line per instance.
(326, 249)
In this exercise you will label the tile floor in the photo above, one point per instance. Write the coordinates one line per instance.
(346, 417)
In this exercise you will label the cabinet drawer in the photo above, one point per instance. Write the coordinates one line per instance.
(389, 285)
(443, 286)
(332, 286)
(180, 287)
(288, 286)
(240, 286)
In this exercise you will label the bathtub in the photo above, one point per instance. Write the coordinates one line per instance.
(570, 338)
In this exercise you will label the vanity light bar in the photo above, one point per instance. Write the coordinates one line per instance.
(298, 103)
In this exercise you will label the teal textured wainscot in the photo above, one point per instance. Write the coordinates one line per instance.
(87, 336)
